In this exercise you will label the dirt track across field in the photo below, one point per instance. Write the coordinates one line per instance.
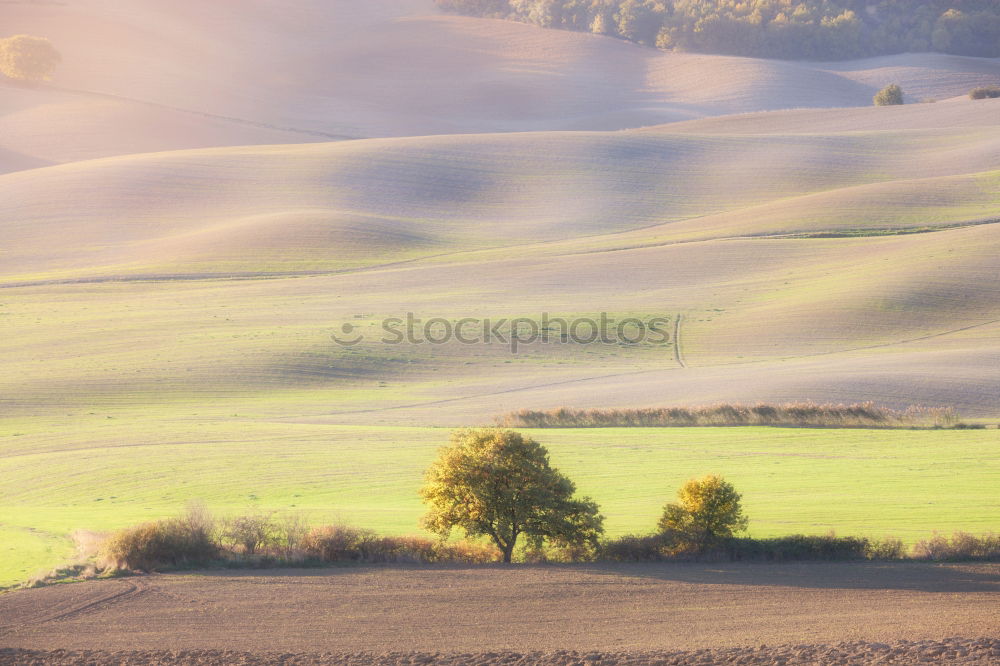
(624, 608)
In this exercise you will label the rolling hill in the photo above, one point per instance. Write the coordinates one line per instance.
(356, 204)
(735, 231)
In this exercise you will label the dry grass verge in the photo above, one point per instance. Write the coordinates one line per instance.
(800, 414)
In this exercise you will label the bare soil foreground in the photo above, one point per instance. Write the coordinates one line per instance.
(629, 613)
(950, 651)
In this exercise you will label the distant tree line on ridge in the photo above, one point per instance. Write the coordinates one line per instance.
(785, 29)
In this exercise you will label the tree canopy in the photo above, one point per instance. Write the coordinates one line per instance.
(497, 483)
(28, 58)
(891, 95)
(707, 512)
(787, 29)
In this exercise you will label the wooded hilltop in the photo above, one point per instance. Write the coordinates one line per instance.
(785, 29)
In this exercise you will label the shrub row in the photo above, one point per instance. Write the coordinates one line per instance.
(802, 547)
(961, 546)
(789, 414)
(197, 539)
(334, 543)
(799, 547)
(194, 540)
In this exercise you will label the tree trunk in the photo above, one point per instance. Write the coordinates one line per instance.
(508, 552)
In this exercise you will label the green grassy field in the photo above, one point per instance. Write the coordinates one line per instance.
(122, 471)
(171, 277)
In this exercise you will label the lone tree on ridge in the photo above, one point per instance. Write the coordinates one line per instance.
(891, 95)
(28, 58)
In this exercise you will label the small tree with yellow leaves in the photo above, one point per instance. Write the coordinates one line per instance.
(891, 95)
(707, 513)
(28, 58)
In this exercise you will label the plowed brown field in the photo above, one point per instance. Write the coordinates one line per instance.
(627, 609)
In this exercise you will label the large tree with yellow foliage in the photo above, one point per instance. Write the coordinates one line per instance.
(496, 483)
